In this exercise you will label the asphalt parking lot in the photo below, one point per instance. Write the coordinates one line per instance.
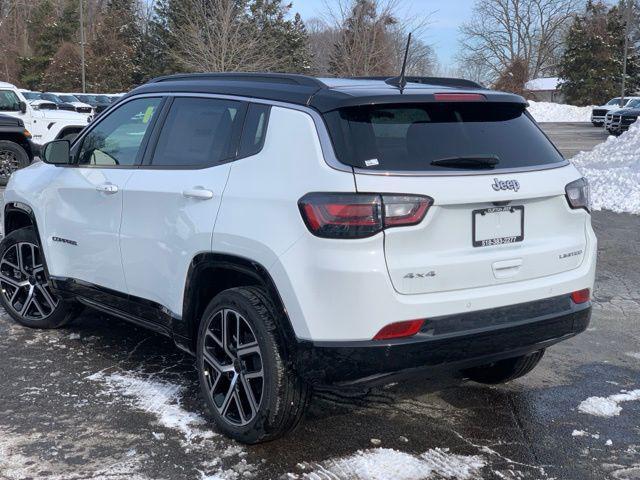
(102, 399)
(572, 138)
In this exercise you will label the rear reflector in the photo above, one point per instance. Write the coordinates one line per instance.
(581, 296)
(399, 330)
(459, 97)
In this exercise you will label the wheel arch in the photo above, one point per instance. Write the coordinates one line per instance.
(211, 273)
(18, 215)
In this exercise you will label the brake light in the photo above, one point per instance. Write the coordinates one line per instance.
(399, 330)
(357, 215)
(581, 296)
(459, 97)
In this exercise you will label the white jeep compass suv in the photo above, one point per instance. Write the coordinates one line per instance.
(292, 231)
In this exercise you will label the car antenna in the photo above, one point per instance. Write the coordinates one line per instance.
(401, 81)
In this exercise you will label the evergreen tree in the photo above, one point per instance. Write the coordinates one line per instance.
(112, 63)
(47, 32)
(286, 39)
(63, 73)
(591, 66)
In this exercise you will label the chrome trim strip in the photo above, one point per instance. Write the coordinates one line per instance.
(450, 173)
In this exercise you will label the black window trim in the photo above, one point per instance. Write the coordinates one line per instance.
(260, 146)
(147, 160)
(77, 144)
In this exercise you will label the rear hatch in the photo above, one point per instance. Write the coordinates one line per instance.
(499, 210)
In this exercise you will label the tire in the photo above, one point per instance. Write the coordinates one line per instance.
(505, 371)
(12, 158)
(26, 294)
(259, 409)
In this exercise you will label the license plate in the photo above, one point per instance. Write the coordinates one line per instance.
(498, 226)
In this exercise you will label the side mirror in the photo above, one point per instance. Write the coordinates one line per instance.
(23, 106)
(57, 152)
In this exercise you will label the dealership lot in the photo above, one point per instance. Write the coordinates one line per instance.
(104, 399)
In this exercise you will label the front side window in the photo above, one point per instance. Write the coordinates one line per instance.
(116, 140)
(9, 101)
(198, 132)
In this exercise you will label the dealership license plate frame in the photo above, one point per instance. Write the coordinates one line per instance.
(505, 240)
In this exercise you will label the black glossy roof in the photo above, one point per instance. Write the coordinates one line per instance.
(323, 94)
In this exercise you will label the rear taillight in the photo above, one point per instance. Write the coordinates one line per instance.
(578, 194)
(360, 215)
(581, 296)
(399, 330)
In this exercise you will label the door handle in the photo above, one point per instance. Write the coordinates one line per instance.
(198, 193)
(108, 188)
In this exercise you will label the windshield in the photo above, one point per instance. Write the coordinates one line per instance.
(31, 95)
(634, 103)
(102, 98)
(614, 101)
(439, 137)
(68, 98)
(52, 98)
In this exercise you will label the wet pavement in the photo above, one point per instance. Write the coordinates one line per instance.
(104, 399)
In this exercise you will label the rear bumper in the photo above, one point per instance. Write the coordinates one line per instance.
(454, 342)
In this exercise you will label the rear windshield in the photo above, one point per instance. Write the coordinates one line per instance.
(410, 137)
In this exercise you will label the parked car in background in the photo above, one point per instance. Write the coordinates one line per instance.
(619, 121)
(99, 102)
(16, 148)
(45, 124)
(62, 105)
(80, 106)
(598, 114)
(37, 102)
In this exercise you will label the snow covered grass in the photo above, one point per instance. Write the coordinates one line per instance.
(613, 170)
(556, 112)
(162, 399)
(389, 464)
(608, 406)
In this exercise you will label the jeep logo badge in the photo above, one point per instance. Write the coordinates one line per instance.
(505, 185)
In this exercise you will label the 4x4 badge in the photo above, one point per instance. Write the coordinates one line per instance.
(505, 185)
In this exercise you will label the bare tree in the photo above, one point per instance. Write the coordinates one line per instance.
(322, 38)
(215, 36)
(502, 31)
(369, 39)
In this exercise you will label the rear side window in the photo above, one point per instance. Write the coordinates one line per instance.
(198, 132)
(410, 137)
(255, 130)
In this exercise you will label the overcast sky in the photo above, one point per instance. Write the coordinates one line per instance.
(446, 16)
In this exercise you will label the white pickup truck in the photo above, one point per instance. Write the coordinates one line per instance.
(44, 125)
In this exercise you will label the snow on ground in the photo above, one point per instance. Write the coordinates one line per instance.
(557, 112)
(389, 464)
(613, 171)
(161, 399)
(608, 406)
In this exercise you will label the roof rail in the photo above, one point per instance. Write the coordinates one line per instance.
(442, 81)
(286, 78)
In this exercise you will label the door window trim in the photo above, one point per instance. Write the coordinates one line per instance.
(77, 144)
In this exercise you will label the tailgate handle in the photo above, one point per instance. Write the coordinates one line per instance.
(507, 268)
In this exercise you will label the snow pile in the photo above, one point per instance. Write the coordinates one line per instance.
(389, 464)
(608, 406)
(161, 399)
(543, 84)
(613, 170)
(557, 112)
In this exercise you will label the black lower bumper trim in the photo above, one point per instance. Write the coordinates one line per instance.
(355, 362)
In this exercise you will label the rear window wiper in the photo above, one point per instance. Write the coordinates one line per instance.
(478, 161)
